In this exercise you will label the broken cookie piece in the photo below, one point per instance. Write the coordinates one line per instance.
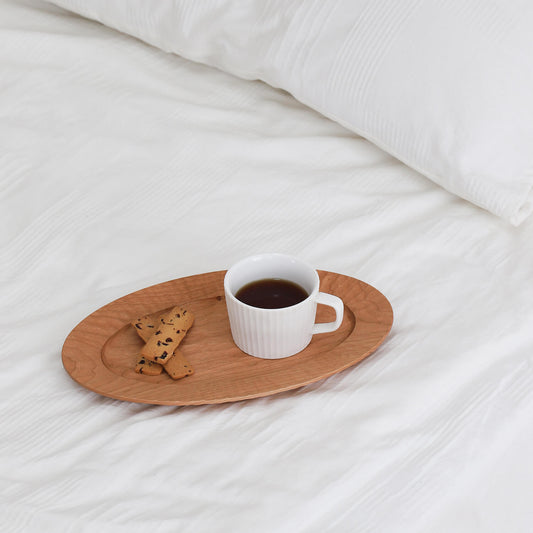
(148, 368)
(144, 326)
(177, 366)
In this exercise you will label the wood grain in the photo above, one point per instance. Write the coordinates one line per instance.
(101, 351)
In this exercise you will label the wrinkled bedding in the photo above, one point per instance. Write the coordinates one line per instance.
(123, 166)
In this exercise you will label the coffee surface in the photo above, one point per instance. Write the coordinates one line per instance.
(272, 293)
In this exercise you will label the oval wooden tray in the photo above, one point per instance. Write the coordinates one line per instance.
(101, 351)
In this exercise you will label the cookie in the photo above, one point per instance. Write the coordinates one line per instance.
(168, 334)
(148, 368)
(177, 366)
(144, 326)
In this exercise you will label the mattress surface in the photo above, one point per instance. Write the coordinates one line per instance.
(122, 166)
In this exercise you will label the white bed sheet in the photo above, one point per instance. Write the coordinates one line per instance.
(122, 166)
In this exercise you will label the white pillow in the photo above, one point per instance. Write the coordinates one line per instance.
(446, 87)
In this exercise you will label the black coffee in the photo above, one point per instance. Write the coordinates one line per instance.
(271, 293)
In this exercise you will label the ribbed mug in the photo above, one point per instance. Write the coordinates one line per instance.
(282, 332)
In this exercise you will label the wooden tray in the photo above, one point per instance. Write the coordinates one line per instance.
(101, 351)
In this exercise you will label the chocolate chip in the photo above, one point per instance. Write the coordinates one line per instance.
(138, 326)
(163, 355)
(158, 332)
(149, 325)
(168, 339)
(159, 343)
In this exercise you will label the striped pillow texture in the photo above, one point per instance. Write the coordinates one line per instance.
(444, 86)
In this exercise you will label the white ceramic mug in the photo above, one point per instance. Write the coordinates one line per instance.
(282, 332)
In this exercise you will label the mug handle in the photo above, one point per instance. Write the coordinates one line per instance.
(331, 301)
